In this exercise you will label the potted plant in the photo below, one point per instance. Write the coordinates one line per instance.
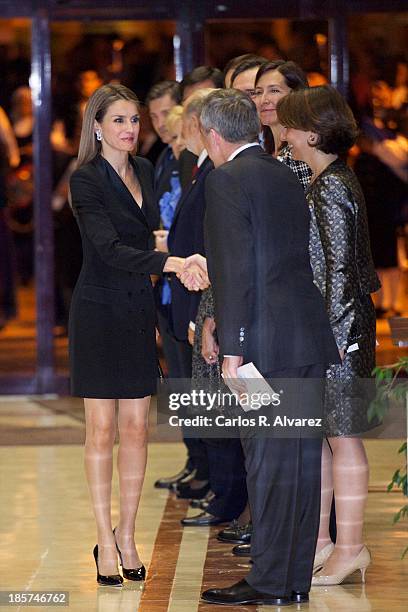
(392, 386)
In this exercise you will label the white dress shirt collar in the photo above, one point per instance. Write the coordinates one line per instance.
(242, 148)
(202, 157)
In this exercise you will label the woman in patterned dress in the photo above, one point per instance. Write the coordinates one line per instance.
(320, 127)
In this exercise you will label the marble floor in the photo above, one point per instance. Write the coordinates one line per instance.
(47, 531)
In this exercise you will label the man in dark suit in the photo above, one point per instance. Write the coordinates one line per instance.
(269, 312)
(161, 98)
(159, 101)
(201, 77)
(187, 236)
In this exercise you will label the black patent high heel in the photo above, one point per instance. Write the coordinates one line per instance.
(114, 580)
(138, 573)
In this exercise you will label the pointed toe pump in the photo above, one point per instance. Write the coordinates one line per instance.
(114, 580)
(137, 573)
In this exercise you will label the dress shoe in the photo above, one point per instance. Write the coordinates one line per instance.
(236, 534)
(113, 580)
(185, 480)
(197, 503)
(167, 483)
(322, 556)
(136, 573)
(242, 593)
(186, 492)
(361, 562)
(242, 550)
(204, 519)
(299, 597)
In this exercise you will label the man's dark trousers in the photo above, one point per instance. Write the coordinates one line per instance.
(227, 477)
(283, 480)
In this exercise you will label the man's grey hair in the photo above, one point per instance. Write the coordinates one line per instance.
(193, 105)
(232, 114)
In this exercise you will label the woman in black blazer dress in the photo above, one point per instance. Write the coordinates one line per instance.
(112, 319)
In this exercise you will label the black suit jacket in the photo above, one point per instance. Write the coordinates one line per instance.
(186, 237)
(112, 317)
(267, 307)
(187, 162)
(165, 166)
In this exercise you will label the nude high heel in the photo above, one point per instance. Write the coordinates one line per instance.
(322, 556)
(361, 562)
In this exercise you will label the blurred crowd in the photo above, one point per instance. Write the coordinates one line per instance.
(378, 96)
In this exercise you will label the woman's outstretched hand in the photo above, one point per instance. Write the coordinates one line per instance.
(191, 271)
(194, 274)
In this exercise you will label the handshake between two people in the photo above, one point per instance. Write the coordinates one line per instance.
(191, 271)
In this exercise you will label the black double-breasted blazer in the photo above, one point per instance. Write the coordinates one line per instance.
(112, 319)
(267, 307)
(186, 237)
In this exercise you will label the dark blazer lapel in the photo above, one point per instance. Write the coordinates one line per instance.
(202, 172)
(147, 198)
(113, 181)
(181, 201)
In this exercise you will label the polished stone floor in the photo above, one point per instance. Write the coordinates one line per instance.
(47, 529)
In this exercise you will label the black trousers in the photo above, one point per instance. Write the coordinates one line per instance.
(283, 480)
(178, 357)
(227, 476)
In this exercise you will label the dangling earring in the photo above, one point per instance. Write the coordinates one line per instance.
(98, 135)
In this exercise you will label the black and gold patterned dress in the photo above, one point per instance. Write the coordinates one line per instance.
(201, 369)
(344, 272)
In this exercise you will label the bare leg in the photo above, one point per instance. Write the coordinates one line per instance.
(350, 478)
(132, 456)
(326, 497)
(100, 437)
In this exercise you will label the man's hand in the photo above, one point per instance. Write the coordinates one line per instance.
(194, 275)
(209, 346)
(161, 240)
(191, 334)
(230, 375)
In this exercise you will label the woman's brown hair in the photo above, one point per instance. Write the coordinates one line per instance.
(295, 77)
(325, 112)
(96, 109)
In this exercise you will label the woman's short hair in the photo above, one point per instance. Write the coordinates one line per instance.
(325, 112)
(96, 109)
(295, 77)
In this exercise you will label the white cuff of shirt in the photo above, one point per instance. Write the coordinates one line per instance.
(192, 326)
